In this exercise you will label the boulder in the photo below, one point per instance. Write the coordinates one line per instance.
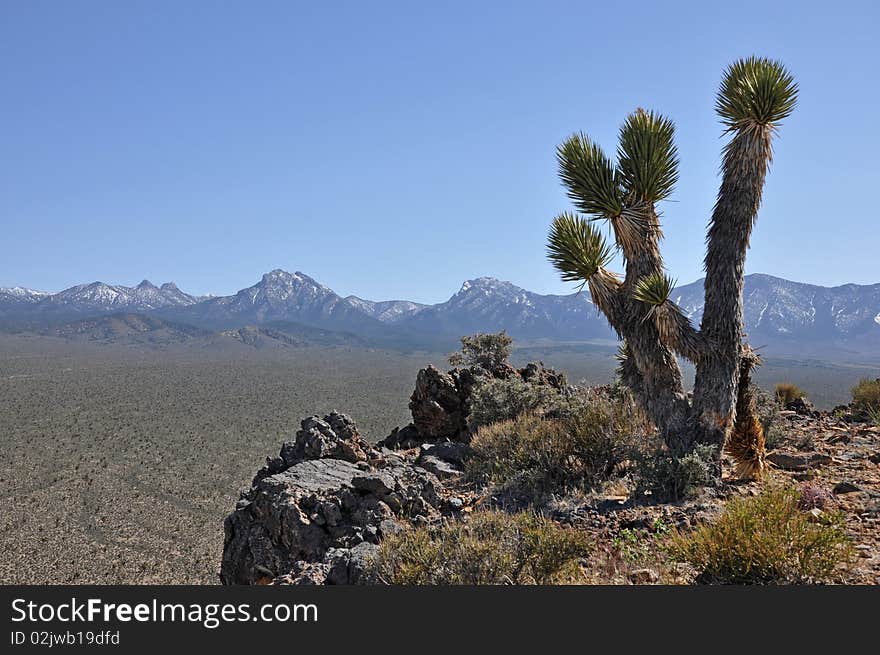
(334, 437)
(802, 407)
(315, 514)
(439, 403)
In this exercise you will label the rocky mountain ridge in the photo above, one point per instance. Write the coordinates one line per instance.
(777, 311)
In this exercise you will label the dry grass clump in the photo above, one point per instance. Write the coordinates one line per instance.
(490, 548)
(787, 392)
(589, 439)
(767, 538)
(866, 398)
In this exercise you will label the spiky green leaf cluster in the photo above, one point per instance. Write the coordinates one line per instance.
(589, 177)
(755, 90)
(654, 289)
(576, 248)
(648, 158)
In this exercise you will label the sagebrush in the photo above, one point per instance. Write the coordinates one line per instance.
(866, 395)
(579, 442)
(765, 539)
(490, 548)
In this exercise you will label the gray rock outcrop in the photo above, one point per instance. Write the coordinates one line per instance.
(316, 513)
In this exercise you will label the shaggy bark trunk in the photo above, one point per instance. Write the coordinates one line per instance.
(651, 370)
(717, 379)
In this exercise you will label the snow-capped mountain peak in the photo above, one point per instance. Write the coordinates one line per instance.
(775, 310)
(101, 297)
(22, 292)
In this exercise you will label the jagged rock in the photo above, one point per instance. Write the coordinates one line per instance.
(317, 519)
(537, 373)
(402, 438)
(802, 407)
(350, 565)
(335, 437)
(439, 403)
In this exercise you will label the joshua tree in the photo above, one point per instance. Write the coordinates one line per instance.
(755, 95)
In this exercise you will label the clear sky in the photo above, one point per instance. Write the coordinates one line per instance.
(393, 150)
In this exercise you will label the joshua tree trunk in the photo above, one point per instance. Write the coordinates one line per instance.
(655, 370)
(746, 159)
(755, 95)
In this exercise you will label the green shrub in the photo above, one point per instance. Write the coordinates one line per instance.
(787, 392)
(866, 395)
(764, 539)
(670, 478)
(768, 414)
(582, 440)
(874, 415)
(500, 400)
(489, 548)
(488, 351)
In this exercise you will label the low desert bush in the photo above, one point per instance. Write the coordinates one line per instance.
(489, 548)
(768, 414)
(577, 443)
(670, 478)
(486, 350)
(500, 400)
(787, 392)
(866, 395)
(764, 539)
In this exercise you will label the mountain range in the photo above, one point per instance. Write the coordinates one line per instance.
(781, 315)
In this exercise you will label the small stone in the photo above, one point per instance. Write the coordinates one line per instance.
(438, 467)
(791, 462)
(643, 576)
(454, 452)
(845, 488)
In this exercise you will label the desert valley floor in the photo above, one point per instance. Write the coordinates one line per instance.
(120, 464)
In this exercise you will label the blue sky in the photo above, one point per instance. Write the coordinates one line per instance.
(396, 149)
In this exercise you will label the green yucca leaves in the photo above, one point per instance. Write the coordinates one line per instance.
(755, 91)
(648, 158)
(589, 177)
(654, 289)
(576, 248)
